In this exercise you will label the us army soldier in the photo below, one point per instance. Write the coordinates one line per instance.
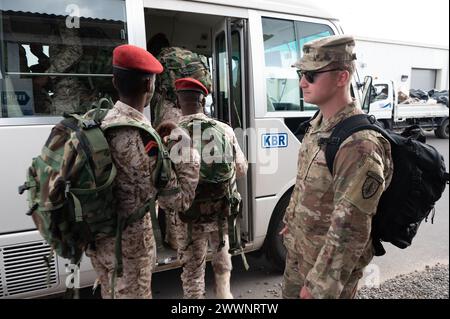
(328, 220)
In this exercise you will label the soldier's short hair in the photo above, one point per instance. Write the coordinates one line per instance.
(349, 66)
(131, 83)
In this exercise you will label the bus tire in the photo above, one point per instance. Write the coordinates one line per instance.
(275, 250)
(442, 130)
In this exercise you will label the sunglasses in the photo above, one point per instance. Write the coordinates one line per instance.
(310, 75)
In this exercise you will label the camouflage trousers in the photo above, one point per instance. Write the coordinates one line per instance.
(171, 230)
(138, 256)
(297, 269)
(193, 256)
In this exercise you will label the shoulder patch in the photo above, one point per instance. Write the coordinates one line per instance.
(151, 148)
(371, 185)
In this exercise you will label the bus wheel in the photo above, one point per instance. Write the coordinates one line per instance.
(442, 131)
(276, 252)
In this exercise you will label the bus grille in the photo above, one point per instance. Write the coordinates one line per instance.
(1, 286)
(22, 268)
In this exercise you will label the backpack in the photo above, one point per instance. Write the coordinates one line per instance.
(418, 180)
(178, 63)
(70, 190)
(217, 180)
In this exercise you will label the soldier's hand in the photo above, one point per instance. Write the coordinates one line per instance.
(284, 231)
(165, 128)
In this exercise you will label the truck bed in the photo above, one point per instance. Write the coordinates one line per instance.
(407, 111)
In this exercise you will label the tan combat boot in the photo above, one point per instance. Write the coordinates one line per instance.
(223, 286)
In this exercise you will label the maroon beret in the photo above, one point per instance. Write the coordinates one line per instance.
(130, 57)
(190, 84)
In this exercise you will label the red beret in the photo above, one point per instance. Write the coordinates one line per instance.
(130, 57)
(190, 84)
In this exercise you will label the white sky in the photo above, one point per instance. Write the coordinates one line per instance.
(425, 21)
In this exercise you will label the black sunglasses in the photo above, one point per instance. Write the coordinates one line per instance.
(310, 75)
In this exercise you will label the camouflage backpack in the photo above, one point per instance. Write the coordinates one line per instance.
(70, 185)
(178, 63)
(217, 180)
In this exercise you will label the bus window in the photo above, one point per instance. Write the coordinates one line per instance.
(236, 107)
(56, 57)
(306, 32)
(280, 50)
(222, 79)
(283, 44)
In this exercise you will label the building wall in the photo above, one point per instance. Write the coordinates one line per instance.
(391, 60)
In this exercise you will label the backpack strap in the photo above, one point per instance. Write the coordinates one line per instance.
(340, 133)
(91, 141)
(123, 223)
(345, 129)
(161, 175)
(91, 138)
(237, 239)
(301, 130)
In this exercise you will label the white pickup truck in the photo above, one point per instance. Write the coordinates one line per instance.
(384, 105)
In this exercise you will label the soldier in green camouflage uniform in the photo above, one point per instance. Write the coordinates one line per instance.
(133, 183)
(328, 220)
(193, 254)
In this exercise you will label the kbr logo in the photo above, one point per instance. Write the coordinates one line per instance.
(21, 97)
(277, 140)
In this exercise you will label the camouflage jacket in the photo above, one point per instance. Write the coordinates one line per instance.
(329, 215)
(241, 166)
(133, 184)
(178, 63)
(65, 55)
(166, 111)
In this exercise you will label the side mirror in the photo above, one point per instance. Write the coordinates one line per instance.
(359, 85)
(367, 96)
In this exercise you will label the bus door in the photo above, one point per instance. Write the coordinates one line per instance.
(230, 74)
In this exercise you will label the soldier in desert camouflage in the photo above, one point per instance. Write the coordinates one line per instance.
(205, 230)
(328, 220)
(178, 63)
(134, 75)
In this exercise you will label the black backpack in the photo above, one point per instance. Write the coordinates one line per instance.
(418, 180)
